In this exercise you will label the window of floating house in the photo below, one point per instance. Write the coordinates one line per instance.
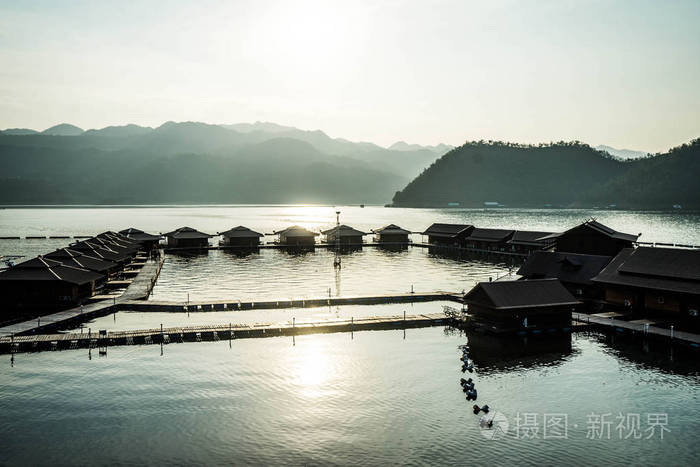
(660, 300)
(579, 292)
(693, 312)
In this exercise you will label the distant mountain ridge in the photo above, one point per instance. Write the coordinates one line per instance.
(197, 162)
(622, 153)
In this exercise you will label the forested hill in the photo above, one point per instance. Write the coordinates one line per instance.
(560, 175)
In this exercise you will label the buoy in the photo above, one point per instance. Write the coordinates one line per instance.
(476, 409)
(485, 408)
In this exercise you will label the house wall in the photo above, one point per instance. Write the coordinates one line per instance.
(298, 241)
(242, 241)
(345, 240)
(188, 242)
(392, 238)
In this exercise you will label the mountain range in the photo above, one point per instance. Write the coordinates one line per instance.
(196, 162)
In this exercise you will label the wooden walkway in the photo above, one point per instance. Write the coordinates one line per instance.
(103, 339)
(611, 321)
(230, 305)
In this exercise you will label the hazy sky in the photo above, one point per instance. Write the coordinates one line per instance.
(623, 73)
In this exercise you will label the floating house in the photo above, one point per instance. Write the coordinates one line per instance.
(488, 239)
(507, 306)
(42, 282)
(147, 241)
(241, 237)
(448, 234)
(593, 238)
(525, 241)
(187, 237)
(343, 235)
(296, 236)
(574, 271)
(391, 233)
(81, 260)
(665, 280)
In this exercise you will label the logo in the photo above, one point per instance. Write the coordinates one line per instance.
(493, 425)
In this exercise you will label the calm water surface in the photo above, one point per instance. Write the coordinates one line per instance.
(370, 398)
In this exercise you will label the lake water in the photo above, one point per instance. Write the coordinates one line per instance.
(374, 398)
(380, 397)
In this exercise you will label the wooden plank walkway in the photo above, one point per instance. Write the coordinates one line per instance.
(229, 305)
(12, 344)
(611, 321)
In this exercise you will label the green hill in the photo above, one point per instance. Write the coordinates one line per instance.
(560, 174)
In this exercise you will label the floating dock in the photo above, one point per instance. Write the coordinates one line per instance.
(610, 322)
(104, 339)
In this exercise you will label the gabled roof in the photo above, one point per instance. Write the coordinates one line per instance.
(447, 230)
(504, 295)
(600, 228)
(99, 251)
(42, 269)
(344, 231)
(139, 235)
(187, 233)
(116, 245)
(241, 232)
(530, 237)
(490, 235)
(670, 269)
(391, 229)
(567, 267)
(296, 231)
(78, 259)
(118, 239)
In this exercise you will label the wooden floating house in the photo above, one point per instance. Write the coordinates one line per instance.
(146, 240)
(659, 280)
(525, 241)
(593, 238)
(344, 235)
(297, 236)
(448, 234)
(241, 237)
(81, 260)
(187, 237)
(391, 233)
(574, 271)
(506, 306)
(43, 282)
(488, 239)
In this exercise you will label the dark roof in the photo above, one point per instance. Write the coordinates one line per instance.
(447, 230)
(671, 269)
(118, 238)
(116, 245)
(139, 235)
(99, 251)
(530, 237)
(567, 267)
(489, 235)
(79, 259)
(504, 295)
(391, 229)
(296, 231)
(600, 228)
(187, 233)
(241, 232)
(43, 269)
(345, 231)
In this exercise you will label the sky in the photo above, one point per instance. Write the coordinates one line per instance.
(621, 73)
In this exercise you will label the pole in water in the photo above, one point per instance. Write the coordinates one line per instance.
(404, 315)
(411, 288)
(672, 331)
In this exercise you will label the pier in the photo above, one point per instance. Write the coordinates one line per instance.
(104, 339)
(611, 321)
